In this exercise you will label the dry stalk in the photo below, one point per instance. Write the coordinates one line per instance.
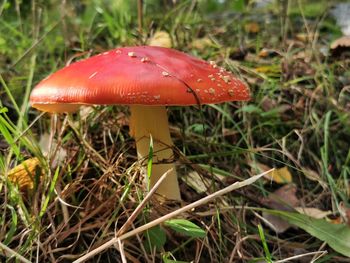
(173, 214)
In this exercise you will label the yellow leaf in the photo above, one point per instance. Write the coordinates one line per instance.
(305, 37)
(281, 175)
(24, 173)
(201, 43)
(160, 39)
(269, 69)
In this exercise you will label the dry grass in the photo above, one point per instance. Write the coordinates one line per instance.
(89, 181)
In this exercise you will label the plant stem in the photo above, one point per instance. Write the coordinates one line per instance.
(147, 121)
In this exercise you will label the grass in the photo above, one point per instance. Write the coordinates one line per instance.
(89, 180)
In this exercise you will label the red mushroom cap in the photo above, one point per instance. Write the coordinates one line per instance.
(144, 75)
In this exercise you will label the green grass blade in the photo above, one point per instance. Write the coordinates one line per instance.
(50, 193)
(263, 240)
(186, 227)
(150, 161)
(337, 236)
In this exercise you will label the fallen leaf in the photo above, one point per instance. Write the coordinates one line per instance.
(345, 212)
(338, 220)
(342, 42)
(23, 174)
(264, 53)
(313, 212)
(283, 199)
(276, 223)
(314, 176)
(269, 69)
(268, 104)
(337, 236)
(44, 144)
(197, 182)
(304, 37)
(305, 56)
(201, 43)
(280, 175)
(344, 95)
(160, 39)
(252, 27)
(340, 46)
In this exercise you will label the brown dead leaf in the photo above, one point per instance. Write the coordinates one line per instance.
(297, 68)
(305, 56)
(345, 212)
(160, 39)
(336, 221)
(340, 46)
(264, 53)
(276, 223)
(268, 104)
(342, 42)
(24, 173)
(313, 212)
(283, 199)
(314, 176)
(300, 104)
(252, 27)
(344, 95)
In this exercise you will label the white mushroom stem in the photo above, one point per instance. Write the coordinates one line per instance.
(146, 121)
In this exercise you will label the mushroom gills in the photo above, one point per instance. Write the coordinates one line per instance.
(56, 107)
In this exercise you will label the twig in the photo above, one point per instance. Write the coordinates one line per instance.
(142, 204)
(11, 253)
(171, 215)
(321, 253)
(193, 205)
(29, 127)
(121, 250)
(140, 14)
(37, 42)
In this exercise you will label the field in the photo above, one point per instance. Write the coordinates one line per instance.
(69, 183)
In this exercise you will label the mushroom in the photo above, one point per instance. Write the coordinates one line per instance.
(147, 79)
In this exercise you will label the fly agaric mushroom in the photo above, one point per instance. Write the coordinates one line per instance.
(148, 79)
